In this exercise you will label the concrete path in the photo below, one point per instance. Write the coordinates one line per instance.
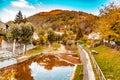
(88, 71)
(8, 57)
(7, 62)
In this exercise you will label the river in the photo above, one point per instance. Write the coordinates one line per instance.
(43, 67)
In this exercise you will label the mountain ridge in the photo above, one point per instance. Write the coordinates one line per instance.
(57, 19)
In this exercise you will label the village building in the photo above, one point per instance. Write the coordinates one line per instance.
(94, 36)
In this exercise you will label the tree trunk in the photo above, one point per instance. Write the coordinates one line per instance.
(25, 48)
(14, 46)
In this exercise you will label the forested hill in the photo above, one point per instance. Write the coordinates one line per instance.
(58, 19)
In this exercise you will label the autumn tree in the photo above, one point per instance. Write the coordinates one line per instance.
(115, 32)
(108, 16)
(2, 35)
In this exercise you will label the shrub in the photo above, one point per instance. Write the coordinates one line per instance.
(56, 46)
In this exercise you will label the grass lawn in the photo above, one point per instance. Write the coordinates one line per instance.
(109, 62)
(79, 73)
(36, 50)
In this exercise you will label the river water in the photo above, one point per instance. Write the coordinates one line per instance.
(45, 67)
(57, 73)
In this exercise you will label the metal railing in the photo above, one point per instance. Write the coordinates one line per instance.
(96, 66)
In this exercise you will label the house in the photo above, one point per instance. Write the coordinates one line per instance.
(94, 36)
(35, 36)
(2, 29)
(60, 33)
(3, 26)
(8, 46)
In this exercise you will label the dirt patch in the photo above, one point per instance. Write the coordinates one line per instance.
(71, 58)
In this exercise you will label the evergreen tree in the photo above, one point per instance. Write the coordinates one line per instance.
(79, 34)
(19, 18)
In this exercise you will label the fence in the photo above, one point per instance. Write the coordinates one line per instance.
(88, 71)
(97, 68)
(116, 47)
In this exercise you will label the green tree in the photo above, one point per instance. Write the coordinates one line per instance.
(20, 19)
(79, 34)
(56, 46)
(41, 39)
(26, 33)
(42, 36)
(13, 35)
(58, 37)
(51, 36)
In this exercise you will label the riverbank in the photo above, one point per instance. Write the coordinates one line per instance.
(35, 52)
(49, 61)
(39, 52)
(77, 73)
(7, 61)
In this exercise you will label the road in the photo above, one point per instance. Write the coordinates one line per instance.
(88, 71)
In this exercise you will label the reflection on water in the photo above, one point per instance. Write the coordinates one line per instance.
(46, 66)
(57, 73)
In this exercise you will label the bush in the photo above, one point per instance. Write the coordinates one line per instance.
(70, 42)
(82, 41)
(35, 42)
(56, 46)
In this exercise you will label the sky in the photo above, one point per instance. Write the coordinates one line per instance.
(9, 8)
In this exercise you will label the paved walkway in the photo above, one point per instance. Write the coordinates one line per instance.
(7, 62)
(88, 71)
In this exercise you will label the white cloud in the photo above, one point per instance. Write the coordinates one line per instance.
(22, 4)
(7, 15)
(9, 11)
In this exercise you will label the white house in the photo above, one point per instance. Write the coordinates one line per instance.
(35, 36)
(111, 42)
(94, 36)
(60, 33)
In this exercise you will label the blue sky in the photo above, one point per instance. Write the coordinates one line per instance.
(9, 8)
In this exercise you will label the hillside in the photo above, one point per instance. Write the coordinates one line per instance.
(58, 19)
